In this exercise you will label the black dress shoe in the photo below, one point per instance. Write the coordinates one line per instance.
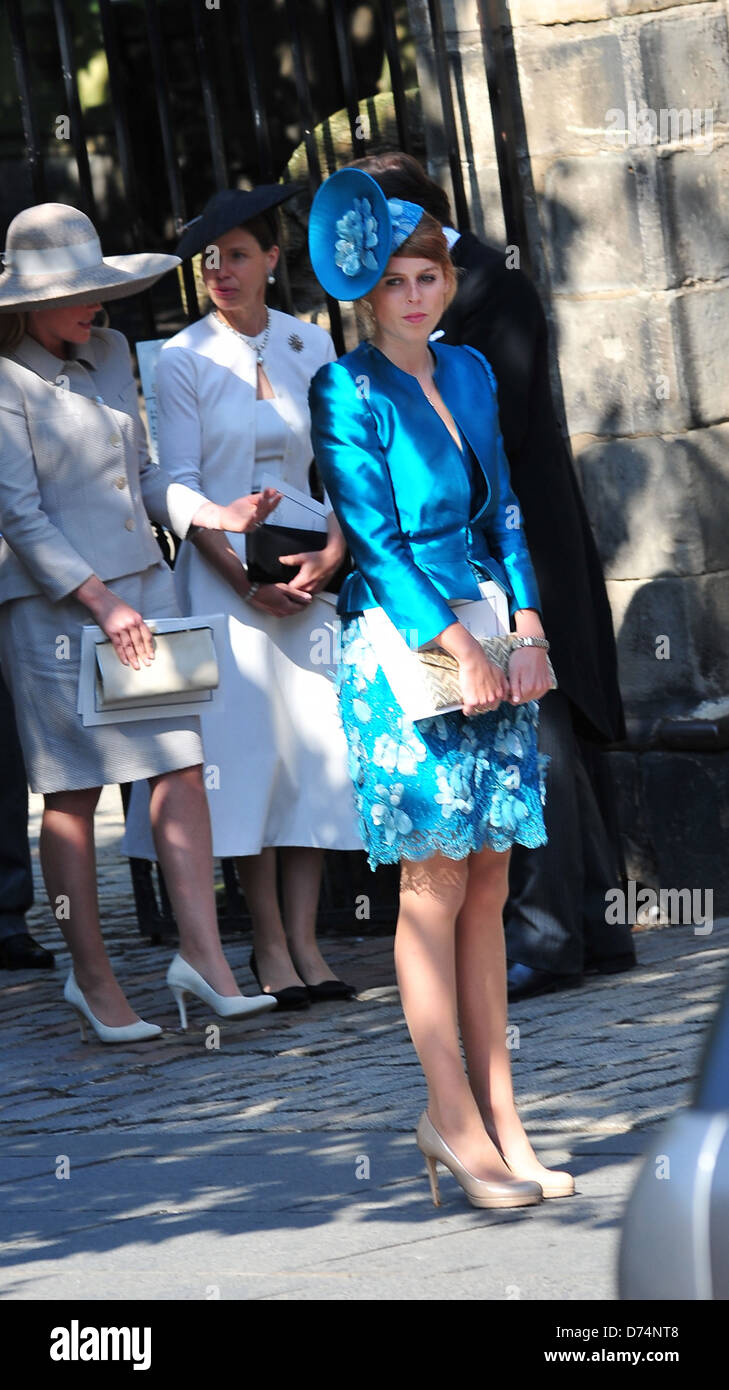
(21, 952)
(610, 965)
(293, 997)
(524, 982)
(330, 989)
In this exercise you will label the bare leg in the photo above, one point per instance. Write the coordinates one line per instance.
(482, 1008)
(181, 827)
(302, 870)
(431, 896)
(257, 873)
(68, 859)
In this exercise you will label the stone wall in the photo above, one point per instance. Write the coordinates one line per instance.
(623, 150)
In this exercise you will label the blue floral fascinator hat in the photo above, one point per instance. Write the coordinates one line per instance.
(353, 232)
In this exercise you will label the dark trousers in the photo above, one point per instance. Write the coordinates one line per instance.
(16, 878)
(555, 915)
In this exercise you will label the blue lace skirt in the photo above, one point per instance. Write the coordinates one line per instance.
(448, 785)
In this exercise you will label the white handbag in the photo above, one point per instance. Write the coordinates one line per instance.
(419, 689)
(185, 663)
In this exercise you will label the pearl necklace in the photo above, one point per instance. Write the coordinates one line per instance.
(259, 347)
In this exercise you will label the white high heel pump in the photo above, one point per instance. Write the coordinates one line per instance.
(184, 979)
(129, 1032)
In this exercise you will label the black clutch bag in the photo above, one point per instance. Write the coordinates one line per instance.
(267, 543)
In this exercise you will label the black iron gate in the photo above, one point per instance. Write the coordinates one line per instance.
(137, 110)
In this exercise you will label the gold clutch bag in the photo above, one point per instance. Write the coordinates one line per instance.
(185, 663)
(440, 669)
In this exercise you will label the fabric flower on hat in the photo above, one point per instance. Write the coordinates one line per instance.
(357, 236)
(405, 218)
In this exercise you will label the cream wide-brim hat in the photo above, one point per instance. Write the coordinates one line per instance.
(53, 258)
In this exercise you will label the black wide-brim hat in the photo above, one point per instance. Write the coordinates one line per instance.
(231, 207)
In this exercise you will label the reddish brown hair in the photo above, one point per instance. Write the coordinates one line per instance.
(427, 243)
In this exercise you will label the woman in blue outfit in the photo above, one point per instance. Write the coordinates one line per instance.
(406, 436)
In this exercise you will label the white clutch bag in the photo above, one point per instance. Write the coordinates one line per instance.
(185, 663)
(420, 689)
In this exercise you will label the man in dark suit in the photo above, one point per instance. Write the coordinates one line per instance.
(555, 916)
(18, 950)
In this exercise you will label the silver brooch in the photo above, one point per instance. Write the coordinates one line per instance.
(295, 342)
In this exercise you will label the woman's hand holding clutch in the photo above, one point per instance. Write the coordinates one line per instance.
(483, 685)
(281, 600)
(125, 628)
(529, 677)
(244, 514)
(317, 567)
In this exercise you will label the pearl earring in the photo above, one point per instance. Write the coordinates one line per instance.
(272, 279)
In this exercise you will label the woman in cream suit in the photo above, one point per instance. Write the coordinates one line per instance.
(76, 485)
(232, 410)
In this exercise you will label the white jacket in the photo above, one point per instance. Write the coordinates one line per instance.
(206, 402)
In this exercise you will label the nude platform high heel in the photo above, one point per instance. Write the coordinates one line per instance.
(480, 1193)
(558, 1184)
(128, 1032)
(184, 979)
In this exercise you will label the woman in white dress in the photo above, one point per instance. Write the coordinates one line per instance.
(232, 408)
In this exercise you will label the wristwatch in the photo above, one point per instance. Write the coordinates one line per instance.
(533, 642)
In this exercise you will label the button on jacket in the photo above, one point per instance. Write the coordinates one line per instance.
(76, 480)
(389, 466)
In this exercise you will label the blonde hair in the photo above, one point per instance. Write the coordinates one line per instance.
(13, 328)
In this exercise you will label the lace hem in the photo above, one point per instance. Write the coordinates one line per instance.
(455, 844)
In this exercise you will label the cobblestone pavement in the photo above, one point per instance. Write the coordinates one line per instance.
(323, 1099)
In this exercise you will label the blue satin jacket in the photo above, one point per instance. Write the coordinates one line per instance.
(402, 491)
